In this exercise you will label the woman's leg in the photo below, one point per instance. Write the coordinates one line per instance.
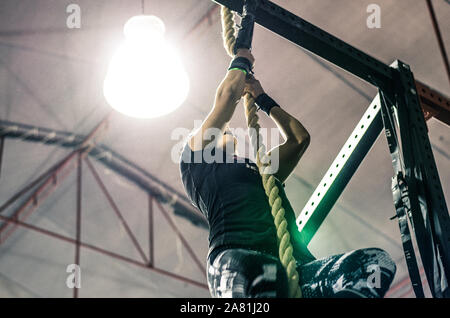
(361, 273)
(241, 273)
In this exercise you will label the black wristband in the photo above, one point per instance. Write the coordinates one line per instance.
(265, 103)
(241, 63)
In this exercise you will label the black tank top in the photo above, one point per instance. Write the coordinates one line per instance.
(230, 194)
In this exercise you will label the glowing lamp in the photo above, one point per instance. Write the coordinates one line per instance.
(145, 77)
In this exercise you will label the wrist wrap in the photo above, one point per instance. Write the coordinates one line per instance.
(241, 63)
(265, 103)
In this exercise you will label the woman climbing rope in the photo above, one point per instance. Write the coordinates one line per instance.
(255, 247)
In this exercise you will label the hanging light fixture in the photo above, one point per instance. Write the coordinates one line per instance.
(145, 78)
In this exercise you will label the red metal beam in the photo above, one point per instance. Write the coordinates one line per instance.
(111, 159)
(117, 211)
(48, 184)
(46, 187)
(183, 240)
(101, 251)
(434, 103)
(29, 186)
(36, 198)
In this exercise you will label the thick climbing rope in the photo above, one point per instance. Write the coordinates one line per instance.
(285, 248)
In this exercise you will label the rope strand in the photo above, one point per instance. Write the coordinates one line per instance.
(285, 248)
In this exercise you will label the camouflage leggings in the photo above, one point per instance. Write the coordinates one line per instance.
(242, 273)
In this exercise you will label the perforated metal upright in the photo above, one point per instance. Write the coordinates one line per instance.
(426, 207)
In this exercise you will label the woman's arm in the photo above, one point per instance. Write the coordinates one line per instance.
(296, 136)
(297, 140)
(227, 97)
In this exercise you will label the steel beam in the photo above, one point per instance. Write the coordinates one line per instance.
(102, 251)
(25, 189)
(84, 146)
(428, 209)
(37, 196)
(181, 237)
(340, 53)
(114, 161)
(15, 222)
(117, 211)
(434, 104)
(341, 171)
(317, 41)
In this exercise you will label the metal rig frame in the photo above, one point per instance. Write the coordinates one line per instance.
(401, 102)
